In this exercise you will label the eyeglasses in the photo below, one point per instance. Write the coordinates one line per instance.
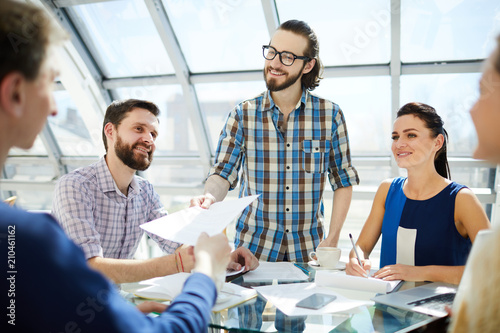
(286, 58)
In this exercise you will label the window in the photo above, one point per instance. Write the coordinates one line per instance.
(122, 38)
(222, 35)
(448, 30)
(349, 32)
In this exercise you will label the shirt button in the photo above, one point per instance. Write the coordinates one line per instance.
(288, 167)
(317, 148)
(286, 230)
(288, 209)
(288, 145)
(288, 187)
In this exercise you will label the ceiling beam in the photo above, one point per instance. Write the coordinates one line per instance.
(271, 16)
(167, 35)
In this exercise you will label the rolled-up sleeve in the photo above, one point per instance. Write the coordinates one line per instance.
(230, 149)
(341, 172)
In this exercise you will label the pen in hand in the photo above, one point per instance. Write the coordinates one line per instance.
(356, 252)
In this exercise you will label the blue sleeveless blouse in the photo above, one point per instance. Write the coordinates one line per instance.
(437, 240)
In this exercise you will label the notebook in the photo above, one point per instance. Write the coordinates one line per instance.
(168, 287)
(342, 280)
(429, 299)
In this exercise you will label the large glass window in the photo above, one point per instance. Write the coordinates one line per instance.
(73, 136)
(176, 135)
(452, 95)
(366, 104)
(31, 172)
(38, 149)
(185, 176)
(221, 35)
(122, 38)
(349, 32)
(218, 99)
(448, 30)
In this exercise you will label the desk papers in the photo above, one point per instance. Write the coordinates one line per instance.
(285, 296)
(281, 271)
(185, 226)
(344, 281)
(166, 288)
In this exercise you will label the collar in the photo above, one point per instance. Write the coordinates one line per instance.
(106, 181)
(268, 103)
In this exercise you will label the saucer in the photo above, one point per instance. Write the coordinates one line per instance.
(340, 266)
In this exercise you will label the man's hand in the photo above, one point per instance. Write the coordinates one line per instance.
(243, 257)
(203, 201)
(327, 242)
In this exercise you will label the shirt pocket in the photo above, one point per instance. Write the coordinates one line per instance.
(315, 155)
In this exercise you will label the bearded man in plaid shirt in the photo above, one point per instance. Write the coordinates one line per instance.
(283, 144)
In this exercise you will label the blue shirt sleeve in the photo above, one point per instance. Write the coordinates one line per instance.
(50, 288)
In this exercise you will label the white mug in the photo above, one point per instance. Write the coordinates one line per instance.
(327, 257)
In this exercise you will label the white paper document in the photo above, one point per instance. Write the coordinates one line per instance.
(185, 226)
(344, 281)
(281, 271)
(166, 288)
(285, 296)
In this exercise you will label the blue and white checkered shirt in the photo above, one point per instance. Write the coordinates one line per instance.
(287, 165)
(101, 219)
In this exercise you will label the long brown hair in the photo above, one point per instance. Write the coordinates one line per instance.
(434, 123)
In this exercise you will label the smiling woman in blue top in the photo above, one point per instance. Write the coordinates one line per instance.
(427, 222)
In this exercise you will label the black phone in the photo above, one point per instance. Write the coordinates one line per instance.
(316, 301)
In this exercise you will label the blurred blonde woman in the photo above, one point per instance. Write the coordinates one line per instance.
(477, 304)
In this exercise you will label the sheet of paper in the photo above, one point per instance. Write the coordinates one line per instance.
(163, 288)
(231, 272)
(285, 296)
(342, 280)
(168, 287)
(185, 226)
(281, 271)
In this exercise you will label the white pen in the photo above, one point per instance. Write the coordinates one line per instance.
(356, 252)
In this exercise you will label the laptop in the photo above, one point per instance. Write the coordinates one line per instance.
(431, 298)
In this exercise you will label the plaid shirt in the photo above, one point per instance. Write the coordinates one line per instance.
(102, 220)
(287, 166)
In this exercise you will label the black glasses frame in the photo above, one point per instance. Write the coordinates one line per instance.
(266, 47)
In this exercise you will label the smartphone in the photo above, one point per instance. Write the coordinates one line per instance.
(316, 301)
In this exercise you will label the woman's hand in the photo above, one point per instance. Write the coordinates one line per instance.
(353, 267)
(399, 272)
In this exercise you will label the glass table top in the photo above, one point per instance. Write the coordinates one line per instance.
(259, 315)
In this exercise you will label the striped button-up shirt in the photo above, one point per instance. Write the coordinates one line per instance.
(287, 164)
(99, 218)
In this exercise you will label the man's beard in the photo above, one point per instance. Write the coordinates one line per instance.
(273, 86)
(125, 153)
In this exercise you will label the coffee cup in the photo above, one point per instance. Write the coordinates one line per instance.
(326, 257)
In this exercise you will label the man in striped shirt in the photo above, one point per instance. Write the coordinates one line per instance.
(285, 142)
(101, 206)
